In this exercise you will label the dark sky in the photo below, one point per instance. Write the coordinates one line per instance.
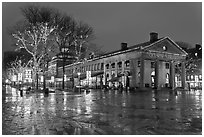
(114, 23)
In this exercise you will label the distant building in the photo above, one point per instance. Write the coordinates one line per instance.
(147, 65)
(194, 67)
(16, 78)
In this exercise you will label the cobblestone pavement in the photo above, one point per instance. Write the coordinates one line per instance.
(101, 112)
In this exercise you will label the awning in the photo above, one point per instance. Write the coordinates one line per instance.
(58, 79)
(114, 79)
(82, 76)
(93, 74)
(126, 73)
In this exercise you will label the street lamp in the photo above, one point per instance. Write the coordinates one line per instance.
(64, 50)
(79, 77)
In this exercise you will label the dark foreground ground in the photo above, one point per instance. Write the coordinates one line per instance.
(102, 112)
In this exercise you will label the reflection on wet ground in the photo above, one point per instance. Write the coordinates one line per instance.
(102, 112)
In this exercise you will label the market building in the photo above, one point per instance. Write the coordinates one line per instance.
(146, 65)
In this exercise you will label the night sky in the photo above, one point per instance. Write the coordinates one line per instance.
(114, 23)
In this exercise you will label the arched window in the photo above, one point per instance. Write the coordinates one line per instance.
(127, 63)
(113, 65)
(152, 76)
(113, 75)
(102, 66)
(152, 64)
(120, 64)
(167, 78)
(107, 66)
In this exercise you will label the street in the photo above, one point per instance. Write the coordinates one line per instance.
(102, 112)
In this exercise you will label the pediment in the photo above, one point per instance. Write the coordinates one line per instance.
(166, 45)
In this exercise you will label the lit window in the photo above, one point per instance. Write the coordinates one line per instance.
(196, 54)
(164, 48)
(200, 77)
(192, 77)
(188, 77)
(167, 78)
(127, 63)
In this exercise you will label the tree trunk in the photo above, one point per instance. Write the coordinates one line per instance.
(63, 71)
(44, 82)
(36, 81)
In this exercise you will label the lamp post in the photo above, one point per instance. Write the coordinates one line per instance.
(64, 50)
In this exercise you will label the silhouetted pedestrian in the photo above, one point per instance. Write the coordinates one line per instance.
(28, 90)
(127, 83)
(21, 92)
(176, 94)
(189, 87)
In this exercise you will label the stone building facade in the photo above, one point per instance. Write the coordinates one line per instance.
(149, 64)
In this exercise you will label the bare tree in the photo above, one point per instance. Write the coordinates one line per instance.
(83, 34)
(34, 32)
(71, 38)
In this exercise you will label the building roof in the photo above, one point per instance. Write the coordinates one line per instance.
(144, 44)
(140, 46)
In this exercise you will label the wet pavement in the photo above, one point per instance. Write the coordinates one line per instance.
(102, 112)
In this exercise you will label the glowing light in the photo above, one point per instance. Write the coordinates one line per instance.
(7, 81)
(41, 79)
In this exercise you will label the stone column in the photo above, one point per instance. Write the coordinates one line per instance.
(156, 74)
(142, 70)
(123, 71)
(105, 78)
(172, 75)
(183, 75)
(133, 70)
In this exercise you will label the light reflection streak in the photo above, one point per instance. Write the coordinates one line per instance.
(65, 101)
(27, 105)
(88, 102)
(124, 99)
(52, 103)
(7, 99)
